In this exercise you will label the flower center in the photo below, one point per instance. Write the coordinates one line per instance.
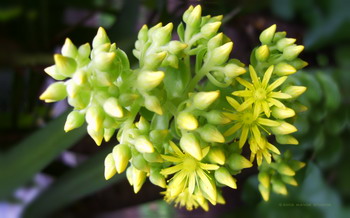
(260, 94)
(247, 118)
(189, 163)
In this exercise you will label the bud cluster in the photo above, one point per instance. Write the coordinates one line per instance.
(176, 123)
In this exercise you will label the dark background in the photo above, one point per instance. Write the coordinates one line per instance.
(70, 166)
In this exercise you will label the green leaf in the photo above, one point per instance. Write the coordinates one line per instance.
(331, 91)
(34, 153)
(81, 181)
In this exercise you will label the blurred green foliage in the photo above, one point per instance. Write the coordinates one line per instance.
(31, 30)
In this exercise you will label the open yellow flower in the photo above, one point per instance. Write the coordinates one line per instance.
(191, 179)
(261, 150)
(260, 93)
(248, 121)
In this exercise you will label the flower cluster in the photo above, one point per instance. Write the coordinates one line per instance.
(178, 124)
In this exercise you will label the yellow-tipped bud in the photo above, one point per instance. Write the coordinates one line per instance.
(285, 42)
(187, 13)
(153, 157)
(154, 60)
(262, 53)
(279, 187)
(175, 47)
(215, 41)
(216, 117)
(139, 162)
(216, 155)
(209, 29)
(224, 177)
(143, 125)
(187, 121)
(69, 49)
(202, 100)
(84, 50)
(283, 129)
(113, 108)
(94, 117)
(142, 35)
(109, 167)
(282, 113)
(139, 177)
(121, 154)
(286, 140)
(96, 135)
(54, 73)
(284, 69)
(80, 77)
(100, 38)
(238, 162)
(108, 133)
(104, 61)
(157, 179)
(74, 120)
(221, 54)
(285, 169)
(289, 180)
(292, 52)
(148, 80)
(55, 92)
(294, 91)
(264, 179)
(189, 143)
(210, 133)
(152, 103)
(162, 35)
(194, 18)
(265, 192)
(143, 145)
(65, 65)
(233, 70)
(267, 35)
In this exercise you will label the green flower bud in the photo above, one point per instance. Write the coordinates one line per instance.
(285, 42)
(279, 187)
(153, 157)
(210, 133)
(139, 177)
(96, 135)
(187, 13)
(216, 155)
(94, 117)
(292, 52)
(215, 41)
(278, 36)
(148, 80)
(286, 140)
(189, 143)
(55, 92)
(262, 53)
(289, 180)
(162, 35)
(238, 162)
(104, 61)
(172, 61)
(153, 29)
(187, 121)
(140, 163)
(283, 129)
(284, 69)
(153, 61)
(175, 47)
(267, 35)
(143, 125)
(194, 18)
(264, 179)
(121, 155)
(159, 135)
(113, 108)
(142, 35)
(233, 70)
(285, 169)
(108, 133)
(74, 120)
(54, 73)
(73, 89)
(216, 117)
(296, 165)
(202, 100)
(143, 145)
(80, 77)
(157, 179)
(64, 65)
(100, 38)
(221, 54)
(224, 177)
(208, 189)
(298, 63)
(209, 29)
(282, 113)
(265, 192)
(127, 99)
(69, 49)
(152, 103)
(84, 50)
(294, 91)
(81, 101)
(109, 167)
